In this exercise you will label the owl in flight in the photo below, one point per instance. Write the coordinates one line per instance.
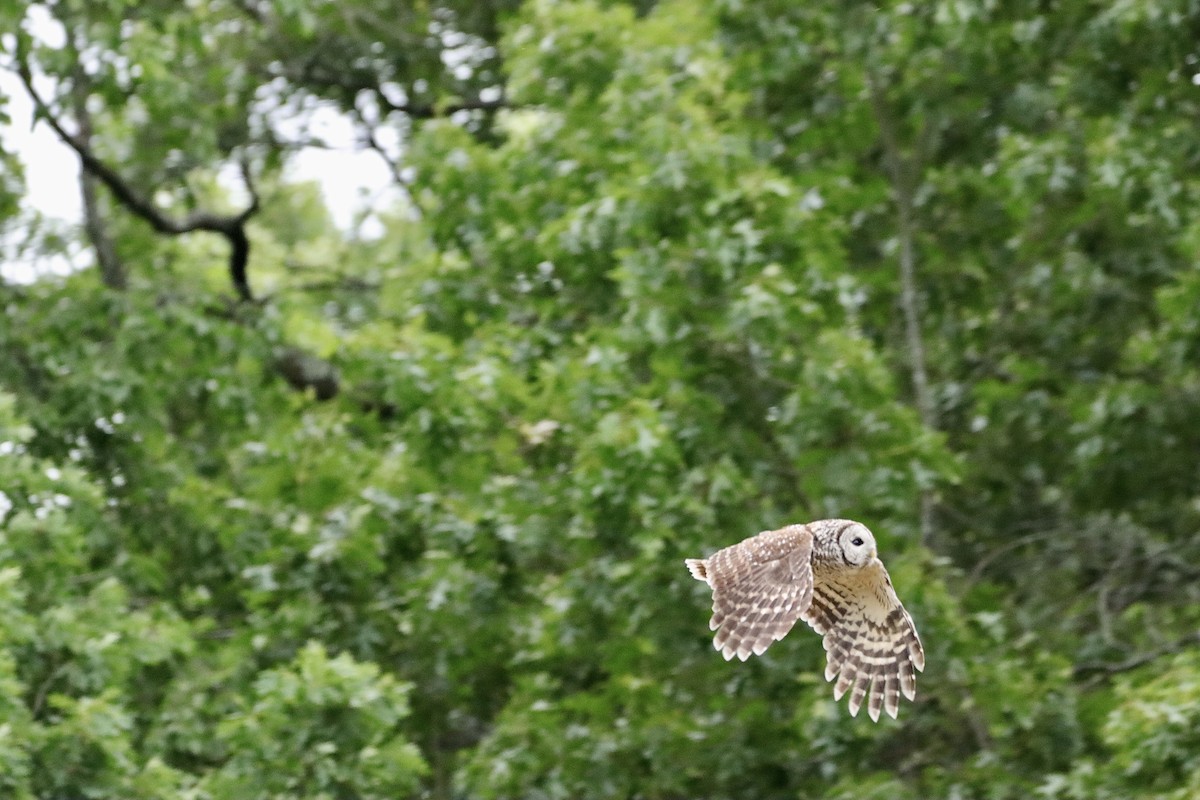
(826, 573)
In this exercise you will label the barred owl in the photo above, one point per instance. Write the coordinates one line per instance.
(826, 573)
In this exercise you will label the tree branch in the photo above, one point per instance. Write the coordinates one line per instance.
(368, 127)
(900, 172)
(233, 228)
(112, 271)
(43, 690)
(303, 371)
(986, 561)
(1101, 670)
(335, 285)
(430, 111)
(350, 85)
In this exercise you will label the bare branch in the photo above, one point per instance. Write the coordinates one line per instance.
(1100, 670)
(986, 561)
(233, 228)
(373, 143)
(335, 285)
(428, 111)
(370, 140)
(251, 189)
(112, 271)
(901, 173)
(43, 690)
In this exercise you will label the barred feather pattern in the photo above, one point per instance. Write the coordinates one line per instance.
(871, 644)
(760, 587)
(827, 573)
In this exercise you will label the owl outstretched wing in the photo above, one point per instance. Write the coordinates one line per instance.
(760, 587)
(871, 644)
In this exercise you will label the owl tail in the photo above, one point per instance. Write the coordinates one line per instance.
(699, 568)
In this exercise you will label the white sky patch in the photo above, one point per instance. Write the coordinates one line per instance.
(51, 182)
(353, 179)
(51, 168)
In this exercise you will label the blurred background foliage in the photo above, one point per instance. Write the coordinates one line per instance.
(665, 274)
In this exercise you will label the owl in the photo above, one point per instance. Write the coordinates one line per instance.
(826, 573)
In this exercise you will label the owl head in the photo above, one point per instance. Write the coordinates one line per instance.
(856, 543)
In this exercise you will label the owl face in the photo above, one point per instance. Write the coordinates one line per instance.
(857, 544)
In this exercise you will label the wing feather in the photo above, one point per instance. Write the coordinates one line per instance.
(871, 644)
(760, 587)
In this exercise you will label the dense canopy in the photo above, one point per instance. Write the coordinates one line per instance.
(399, 509)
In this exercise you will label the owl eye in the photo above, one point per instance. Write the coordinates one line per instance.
(856, 541)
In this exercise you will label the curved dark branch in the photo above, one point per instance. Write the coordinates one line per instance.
(233, 228)
(1100, 670)
(251, 189)
(239, 255)
(428, 111)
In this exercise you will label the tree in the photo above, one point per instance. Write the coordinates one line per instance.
(406, 516)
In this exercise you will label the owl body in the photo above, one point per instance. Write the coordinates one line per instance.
(828, 574)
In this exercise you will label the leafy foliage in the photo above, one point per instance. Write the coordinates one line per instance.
(643, 300)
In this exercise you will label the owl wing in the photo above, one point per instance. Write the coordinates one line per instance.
(760, 587)
(870, 641)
